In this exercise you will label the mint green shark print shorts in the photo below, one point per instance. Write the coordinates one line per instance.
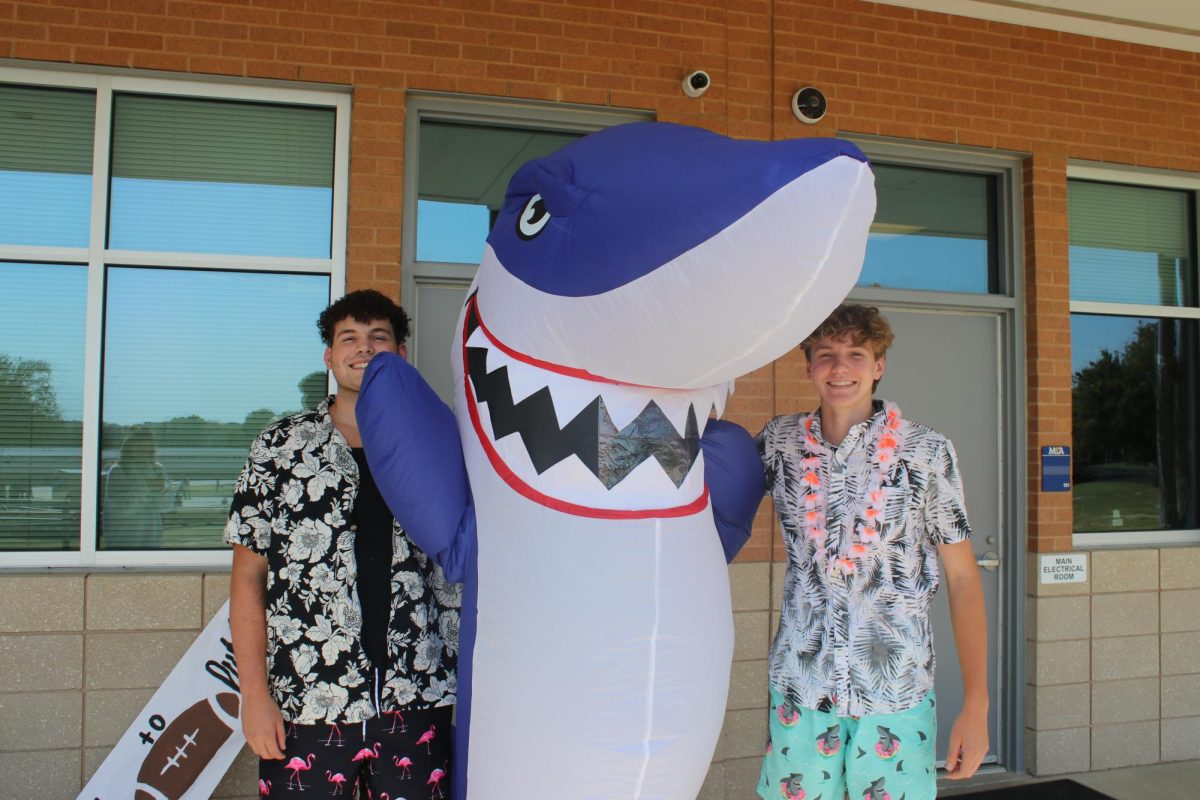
(817, 755)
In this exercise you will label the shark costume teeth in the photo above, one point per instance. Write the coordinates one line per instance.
(637, 445)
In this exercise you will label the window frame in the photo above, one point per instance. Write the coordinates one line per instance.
(97, 258)
(1149, 178)
(1001, 166)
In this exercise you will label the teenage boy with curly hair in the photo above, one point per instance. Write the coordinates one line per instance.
(867, 501)
(344, 632)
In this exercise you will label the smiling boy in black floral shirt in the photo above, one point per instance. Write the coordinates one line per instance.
(344, 631)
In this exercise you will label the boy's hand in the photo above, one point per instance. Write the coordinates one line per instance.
(263, 726)
(968, 744)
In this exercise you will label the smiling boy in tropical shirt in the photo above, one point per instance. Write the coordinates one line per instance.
(344, 631)
(867, 502)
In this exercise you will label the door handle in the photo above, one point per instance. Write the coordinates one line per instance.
(990, 561)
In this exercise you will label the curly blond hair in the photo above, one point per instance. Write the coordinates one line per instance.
(863, 325)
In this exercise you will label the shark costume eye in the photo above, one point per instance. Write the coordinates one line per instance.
(533, 218)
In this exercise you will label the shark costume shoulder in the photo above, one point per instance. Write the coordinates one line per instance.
(629, 279)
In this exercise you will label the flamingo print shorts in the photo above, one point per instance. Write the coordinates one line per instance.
(816, 755)
(396, 755)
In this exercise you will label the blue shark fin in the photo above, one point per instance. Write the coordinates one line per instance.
(413, 448)
(736, 481)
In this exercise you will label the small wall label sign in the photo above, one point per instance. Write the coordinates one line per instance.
(1064, 568)
(1056, 468)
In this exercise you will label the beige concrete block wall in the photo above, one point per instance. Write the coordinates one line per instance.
(1113, 665)
(80, 655)
(1113, 668)
(83, 653)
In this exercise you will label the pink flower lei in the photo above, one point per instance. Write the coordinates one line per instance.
(869, 509)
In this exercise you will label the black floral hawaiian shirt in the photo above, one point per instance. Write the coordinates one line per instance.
(294, 504)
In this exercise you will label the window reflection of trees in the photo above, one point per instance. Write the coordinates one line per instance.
(1133, 433)
(203, 457)
(39, 459)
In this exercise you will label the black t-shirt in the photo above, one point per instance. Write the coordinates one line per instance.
(373, 551)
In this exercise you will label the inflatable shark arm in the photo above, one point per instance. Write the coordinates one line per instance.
(415, 454)
(734, 474)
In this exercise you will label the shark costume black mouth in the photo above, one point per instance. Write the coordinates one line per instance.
(609, 453)
(666, 429)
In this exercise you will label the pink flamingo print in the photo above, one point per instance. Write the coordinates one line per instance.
(264, 788)
(427, 737)
(435, 778)
(338, 781)
(397, 718)
(368, 756)
(297, 765)
(334, 730)
(405, 765)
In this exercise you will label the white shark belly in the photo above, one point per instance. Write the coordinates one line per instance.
(602, 651)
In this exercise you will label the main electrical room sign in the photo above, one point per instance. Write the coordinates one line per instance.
(1064, 568)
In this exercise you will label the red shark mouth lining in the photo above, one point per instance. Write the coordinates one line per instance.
(687, 449)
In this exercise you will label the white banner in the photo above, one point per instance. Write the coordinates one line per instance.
(187, 735)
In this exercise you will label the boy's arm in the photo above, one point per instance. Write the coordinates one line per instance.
(261, 720)
(969, 736)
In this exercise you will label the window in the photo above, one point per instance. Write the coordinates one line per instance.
(465, 151)
(165, 249)
(1135, 332)
(934, 229)
(42, 312)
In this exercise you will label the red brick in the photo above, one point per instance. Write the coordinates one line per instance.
(215, 65)
(22, 30)
(35, 13)
(154, 7)
(143, 59)
(135, 41)
(40, 51)
(154, 24)
(75, 35)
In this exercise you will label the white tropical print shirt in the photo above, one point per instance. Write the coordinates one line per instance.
(294, 504)
(861, 643)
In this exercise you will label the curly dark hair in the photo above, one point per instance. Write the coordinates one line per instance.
(364, 305)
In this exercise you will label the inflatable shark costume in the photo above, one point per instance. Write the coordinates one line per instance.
(629, 279)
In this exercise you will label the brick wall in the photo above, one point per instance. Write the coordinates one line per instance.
(887, 71)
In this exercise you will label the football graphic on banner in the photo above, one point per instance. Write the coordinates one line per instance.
(184, 740)
(187, 746)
